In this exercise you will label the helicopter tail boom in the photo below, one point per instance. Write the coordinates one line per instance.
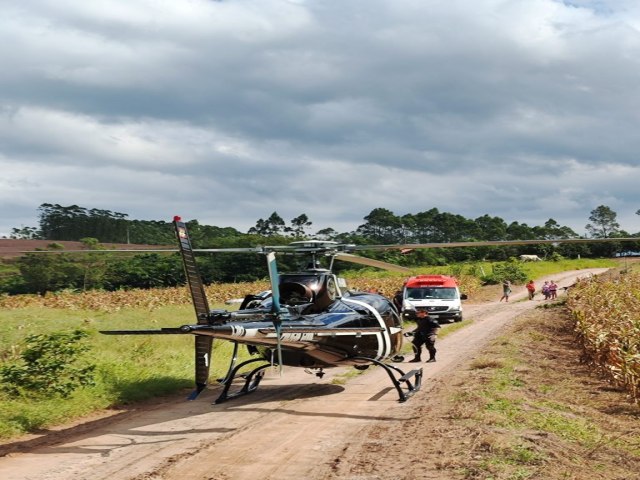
(163, 331)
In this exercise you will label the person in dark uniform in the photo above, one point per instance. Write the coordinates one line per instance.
(425, 334)
(397, 300)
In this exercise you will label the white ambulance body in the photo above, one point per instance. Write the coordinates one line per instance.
(437, 294)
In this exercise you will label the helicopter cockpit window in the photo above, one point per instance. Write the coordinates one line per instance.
(298, 289)
(294, 293)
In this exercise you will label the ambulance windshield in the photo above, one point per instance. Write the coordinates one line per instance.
(424, 293)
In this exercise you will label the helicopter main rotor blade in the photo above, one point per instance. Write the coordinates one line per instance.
(489, 243)
(105, 250)
(347, 257)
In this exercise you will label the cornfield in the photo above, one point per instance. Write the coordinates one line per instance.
(607, 316)
(152, 298)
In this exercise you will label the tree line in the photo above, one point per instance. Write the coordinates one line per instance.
(73, 223)
(37, 273)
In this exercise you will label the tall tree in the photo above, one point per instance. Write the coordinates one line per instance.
(382, 226)
(519, 231)
(25, 233)
(73, 223)
(603, 222)
(298, 225)
(553, 230)
(423, 225)
(326, 234)
(491, 228)
(274, 225)
(449, 227)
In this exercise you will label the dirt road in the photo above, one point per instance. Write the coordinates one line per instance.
(294, 426)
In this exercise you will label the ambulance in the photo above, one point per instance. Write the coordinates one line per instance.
(437, 294)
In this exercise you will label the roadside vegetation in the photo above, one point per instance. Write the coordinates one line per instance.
(132, 369)
(606, 312)
(539, 404)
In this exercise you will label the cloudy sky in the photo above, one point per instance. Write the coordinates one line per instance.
(225, 111)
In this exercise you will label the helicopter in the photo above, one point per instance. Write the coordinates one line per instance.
(307, 319)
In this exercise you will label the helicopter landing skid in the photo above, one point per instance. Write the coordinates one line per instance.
(409, 387)
(252, 380)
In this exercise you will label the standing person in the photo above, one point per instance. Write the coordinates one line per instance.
(425, 334)
(531, 289)
(506, 290)
(553, 290)
(397, 300)
(545, 290)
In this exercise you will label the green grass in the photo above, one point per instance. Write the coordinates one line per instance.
(129, 368)
(507, 403)
(343, 378)
(544, 268)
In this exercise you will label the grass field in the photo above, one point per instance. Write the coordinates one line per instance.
(128, 369)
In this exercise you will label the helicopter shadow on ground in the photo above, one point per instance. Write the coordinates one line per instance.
(291, 392)
(274, 393)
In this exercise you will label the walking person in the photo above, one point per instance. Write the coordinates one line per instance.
(553, 290)
(506, 290)
(531, 289)
(425, 334)
(545, 290)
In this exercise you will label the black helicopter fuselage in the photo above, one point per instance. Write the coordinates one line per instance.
(352, 327)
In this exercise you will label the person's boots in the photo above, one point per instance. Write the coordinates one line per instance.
(432, 359)
(416, 359)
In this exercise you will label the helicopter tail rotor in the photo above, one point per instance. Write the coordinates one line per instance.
(275, 309)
